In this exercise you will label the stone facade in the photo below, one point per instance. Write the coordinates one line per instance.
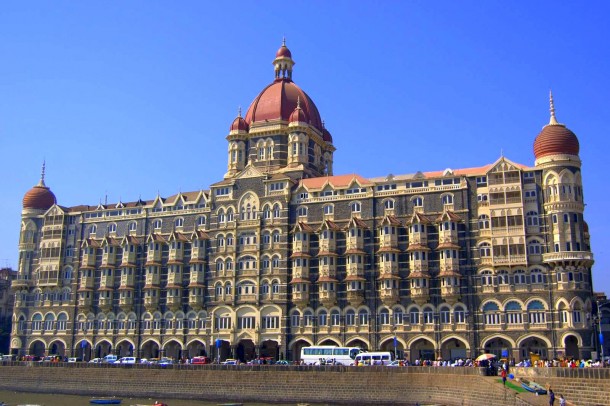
(282, 254)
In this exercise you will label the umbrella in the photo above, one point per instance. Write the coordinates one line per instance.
(485, 356)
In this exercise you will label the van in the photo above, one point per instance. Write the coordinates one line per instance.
(200, 360)
(109, 359)
(374, 358)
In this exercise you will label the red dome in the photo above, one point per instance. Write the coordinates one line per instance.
(39, 197)
(283, 52)
(278, 101)
(555, 139)
(298, 115)
(239, 124)
(326, 136)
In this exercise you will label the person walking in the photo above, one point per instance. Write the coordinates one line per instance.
(551, 397)
(562, 400)
(503, 374)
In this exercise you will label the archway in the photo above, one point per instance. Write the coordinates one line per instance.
(172, 349)
(150, 349)
(453, 349)
(572, 350)
(358, 343)
(102, 349)
(37, 348)
(500, 347)
(296, 348)
(223, 351)
(124, 349)
(196, 349)
(329, 341)
(245, 351)
(398, 350)
(83, 350)
(57, 348)
(422, 349)
(270, 348)
(533, 348)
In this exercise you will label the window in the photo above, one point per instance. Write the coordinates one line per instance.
(322, 318)
(483, 222)
(92, 229)
(355, 207)
(398, 317)
(514, 313)
(157, 224)
(428, 316)
(447, 199)
(485, 250)
(481, 180)
(388, 204)
(224, 191)
(295, 320)
(335, 318)
(491, 313)
(459, 315)
(276, 211)
(179, 222)
(445, 315)
(536, 276)
(482, 197)
(536, 312)
(350, 318)
(363, 317)
(384, 317)
(414, 316)
(270, 322)
(418, 201)
(487, 278)
(201, 221)
(302, 211)
(520, 277)
(132, 226)
(329, 209)
(112, 228)
(534, 247)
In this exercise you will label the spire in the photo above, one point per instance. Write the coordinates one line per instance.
(284, 41)
(553, 120)
(239, 111)
(41, 183)
(298, 102)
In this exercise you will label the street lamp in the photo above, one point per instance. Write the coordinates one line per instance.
(598, 322)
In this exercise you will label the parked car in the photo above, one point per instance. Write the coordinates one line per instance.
(126, 360)
(282, 362)
(229, 361)
(95, 361)
(200, 360)
(109, 359)
(166, 361)
(74, 360)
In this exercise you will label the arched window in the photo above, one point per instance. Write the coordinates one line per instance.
(355, 207)
(335, 318)
(428, 316)
(491, 312)
(534, 247)
(157, 224)
(350, 317)
(536, 312)
(485, 250)
(266, 212)
(414, 316)
(445, 315)
(276, 211)
(384, 317)
(302, 211)
(363, 317)
(483, 222)
(329, 209)
(132, 226)
(459, 315)
(398, 316)
(531, 218)
(308, 318)
(37, 322)
(447, 199)
(536, 276)
(112, 228)
(519, 277)
(418, 201)
(179, 222)
(201, 221)
(503, 277)
(388, 204)
(513, 313)
(322, 318)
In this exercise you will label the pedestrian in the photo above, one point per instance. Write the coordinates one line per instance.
(562, 400)
(503, 374)
(551, 397)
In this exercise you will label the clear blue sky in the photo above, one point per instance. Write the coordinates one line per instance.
(128, 98)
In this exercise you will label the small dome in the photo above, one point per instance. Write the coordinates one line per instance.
(298, 115)
(239, 124)
(555, 139)
(283, 52)
(39, 197)
(326, 136)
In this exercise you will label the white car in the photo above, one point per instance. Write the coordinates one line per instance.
(96, 361)
(126, 360)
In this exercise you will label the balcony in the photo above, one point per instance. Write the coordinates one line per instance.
(390, 267)
(105, 303)
(127, 281)
(176, 255)
(153, 256)
(300, 298)
(87, 282)
(22, 282)
(389, 296)
(450, 293)
(128, 257)
(126, 303)
(109, 258)
(174, 278)
(174, 302)
(355, 297)
(328, 297)
(418, 266)
(300, 246)
(88, 261)
(354, 243)
(151, 303)
(388, 241)
(418, 238)
(584, 258)
(195, 300)
(197, 254)
(420, 294)
(196, 277)
(450, 265)
(327, 245)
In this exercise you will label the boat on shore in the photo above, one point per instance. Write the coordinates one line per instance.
(105, 401)
(532, 386)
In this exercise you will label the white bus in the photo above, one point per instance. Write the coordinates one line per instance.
(329, 355)
(374, 358)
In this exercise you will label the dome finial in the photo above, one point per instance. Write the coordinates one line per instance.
(553, 119)
(284, 41)
(239, 111)
(298, 102)
(41, 183)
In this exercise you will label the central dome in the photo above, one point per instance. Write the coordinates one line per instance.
(278, 100)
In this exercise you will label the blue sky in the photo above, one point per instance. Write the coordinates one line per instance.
(127, 99)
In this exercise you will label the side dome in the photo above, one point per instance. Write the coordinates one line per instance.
(555, 138)
(239, 124)
(298, 115)
(326, 136)
(39, 197)
(283, 52)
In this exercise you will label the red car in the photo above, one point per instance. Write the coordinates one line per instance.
(200, 360)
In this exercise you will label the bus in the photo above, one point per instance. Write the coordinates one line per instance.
(374, 358)
(329, 355)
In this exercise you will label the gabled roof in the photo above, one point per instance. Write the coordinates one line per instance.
(90, 242)
(200, 235)
(111, 241)
(391, 220)
(449, 215)
(356, 222)
(337, 182)
(176, 236)
(419, 218)
(329, 225)
(300, 226)
(156, 238)
(130, 239)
